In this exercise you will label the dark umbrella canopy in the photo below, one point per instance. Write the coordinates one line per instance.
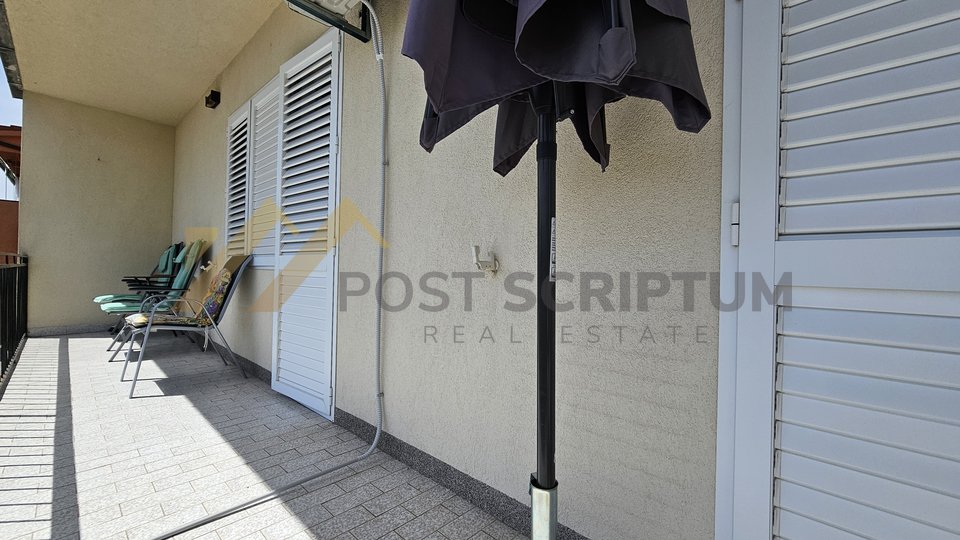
(479, 53)
(540, 62)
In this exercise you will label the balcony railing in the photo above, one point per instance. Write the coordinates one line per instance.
(13, 310)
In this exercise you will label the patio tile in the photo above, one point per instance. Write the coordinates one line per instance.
(401, 476)
(390, 499)
(160, 525)
(342, 523)
(499, 531)
(427, 523)
(467, 525)
(457, 505)
(365, 477)
(382, 524)
(427, 500)
(351, 499)
(253, 523)
(79, 459)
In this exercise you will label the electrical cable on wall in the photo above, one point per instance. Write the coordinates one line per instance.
(377, 39)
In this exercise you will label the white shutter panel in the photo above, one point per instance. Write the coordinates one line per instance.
(867, 373)
(308, 117)
(238, 159)
(306, 261)
(870, 135)
(867, 422)
(265, 110)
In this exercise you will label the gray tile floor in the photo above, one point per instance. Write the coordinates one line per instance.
(79, 459)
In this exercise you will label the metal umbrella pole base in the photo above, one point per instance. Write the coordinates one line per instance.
(543, 509)
(543, 484)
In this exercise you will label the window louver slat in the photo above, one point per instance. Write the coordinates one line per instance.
(306, 143)
(317, 124)
(294, 152)
(319, 118)
(297, 80)
(305, 97)
(295, 113)
(301, 188)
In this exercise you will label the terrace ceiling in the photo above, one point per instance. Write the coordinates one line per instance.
(146, 58)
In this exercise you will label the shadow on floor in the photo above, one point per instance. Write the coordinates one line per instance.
(200, 439)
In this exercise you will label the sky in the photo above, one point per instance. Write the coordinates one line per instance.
(10, 109)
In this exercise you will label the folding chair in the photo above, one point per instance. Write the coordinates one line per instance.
(188, 259)
(161, 275)
(204, 318)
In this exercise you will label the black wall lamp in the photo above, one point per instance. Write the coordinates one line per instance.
(331, 12)
(212, 99)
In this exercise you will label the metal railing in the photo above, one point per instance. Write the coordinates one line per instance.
(13, 307)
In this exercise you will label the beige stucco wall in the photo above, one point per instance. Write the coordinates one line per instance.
(95, 205)
(200, 169)
(636, 421)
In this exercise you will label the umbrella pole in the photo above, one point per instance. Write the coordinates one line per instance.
(543, 484)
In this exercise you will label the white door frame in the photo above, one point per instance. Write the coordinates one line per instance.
(745, 393)
(335, 293)
(729, 263)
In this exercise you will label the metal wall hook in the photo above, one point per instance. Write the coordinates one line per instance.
(490, 265)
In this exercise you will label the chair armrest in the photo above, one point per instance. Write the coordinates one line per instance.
(147, 279)
(151, 276)
(132, 283)
(156, 288)
(189, 301)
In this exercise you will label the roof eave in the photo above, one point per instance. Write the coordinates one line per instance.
(8, 55)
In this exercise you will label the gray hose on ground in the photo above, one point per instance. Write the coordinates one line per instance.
(377, 39)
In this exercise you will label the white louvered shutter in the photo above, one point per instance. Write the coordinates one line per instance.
(238, 172)
(307, 149)
(306, 261)
(870, 126)
(265, 111)
(865, 355)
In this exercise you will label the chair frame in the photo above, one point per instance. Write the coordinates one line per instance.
(145, 331)
(161, 300)
(156, 300)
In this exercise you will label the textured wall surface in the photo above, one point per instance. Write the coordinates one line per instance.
(95, 205)
(636, 419)
(200, 177)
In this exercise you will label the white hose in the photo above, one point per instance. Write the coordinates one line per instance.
(377, 38)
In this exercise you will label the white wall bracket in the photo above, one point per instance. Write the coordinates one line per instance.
(490, 265)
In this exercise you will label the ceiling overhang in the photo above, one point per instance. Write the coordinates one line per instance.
(149, 59)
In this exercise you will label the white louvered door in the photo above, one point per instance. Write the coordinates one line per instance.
(848, 389)
(265, 114)
(306, 257)
(238, 166)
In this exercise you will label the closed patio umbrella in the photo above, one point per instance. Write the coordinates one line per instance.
(541, 62)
